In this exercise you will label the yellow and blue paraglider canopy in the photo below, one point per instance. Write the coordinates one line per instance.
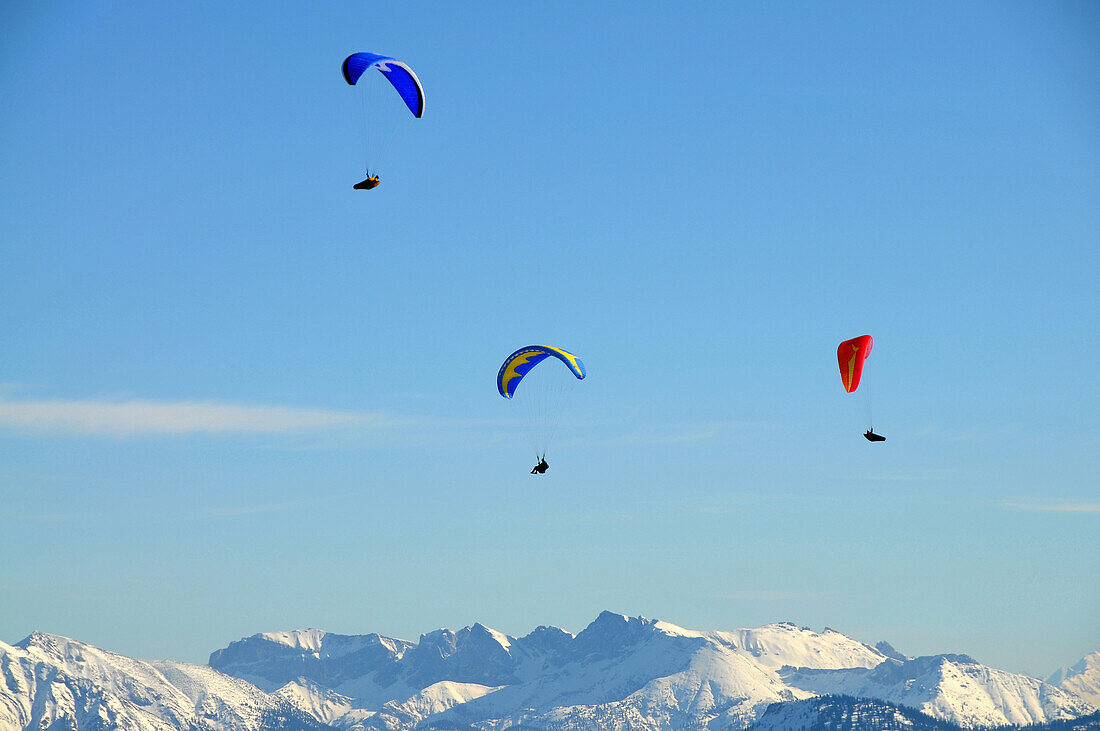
(519, 364)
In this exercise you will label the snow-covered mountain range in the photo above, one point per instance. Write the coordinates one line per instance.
(618, 673)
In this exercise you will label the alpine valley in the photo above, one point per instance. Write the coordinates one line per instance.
(618, 673)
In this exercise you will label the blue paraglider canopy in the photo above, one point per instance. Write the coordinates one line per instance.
(400, 75)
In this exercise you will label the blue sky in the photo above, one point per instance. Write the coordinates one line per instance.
(238, 396)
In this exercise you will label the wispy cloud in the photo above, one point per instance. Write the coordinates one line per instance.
(136, 418)
(1051, 506)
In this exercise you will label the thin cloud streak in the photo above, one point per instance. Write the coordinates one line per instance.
(144, 418)
(1052, 507)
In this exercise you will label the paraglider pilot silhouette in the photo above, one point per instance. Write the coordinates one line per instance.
(541, 467)
(403, 80)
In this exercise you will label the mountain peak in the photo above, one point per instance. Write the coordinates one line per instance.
(51, 643)
(956, 658)
(488, 632)
(40, 638)
(1082, 678)
(609, 626)
(31, 639)
(889, 651)
(547, 640)
(609, 617)
(1090, 662)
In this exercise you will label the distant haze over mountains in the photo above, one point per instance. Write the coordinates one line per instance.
(619, 672)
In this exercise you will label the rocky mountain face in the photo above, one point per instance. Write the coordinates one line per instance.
(618, 673)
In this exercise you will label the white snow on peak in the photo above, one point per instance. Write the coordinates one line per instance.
(774, 646)
(950, 687)
(48, 681)
(436, 698)
(440, 696)
(322, 644)
(500, 637)
(1081, 679)
(324, 704)
(299, 639)
(777, 645)
(676, 630)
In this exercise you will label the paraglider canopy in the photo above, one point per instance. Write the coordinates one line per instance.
(398, 73)
(519, 364)
(851, 354)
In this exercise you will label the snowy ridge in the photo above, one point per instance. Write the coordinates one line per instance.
(1082, 679)
(433, 700)
(302, 639)
(949, 687)
(55, 682)
(326, 706)
(784, 644)
(620, 672)
(270, 660)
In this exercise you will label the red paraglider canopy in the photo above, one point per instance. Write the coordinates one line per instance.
(851, 355)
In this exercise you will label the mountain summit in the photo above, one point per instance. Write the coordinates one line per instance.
(1082, 679)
